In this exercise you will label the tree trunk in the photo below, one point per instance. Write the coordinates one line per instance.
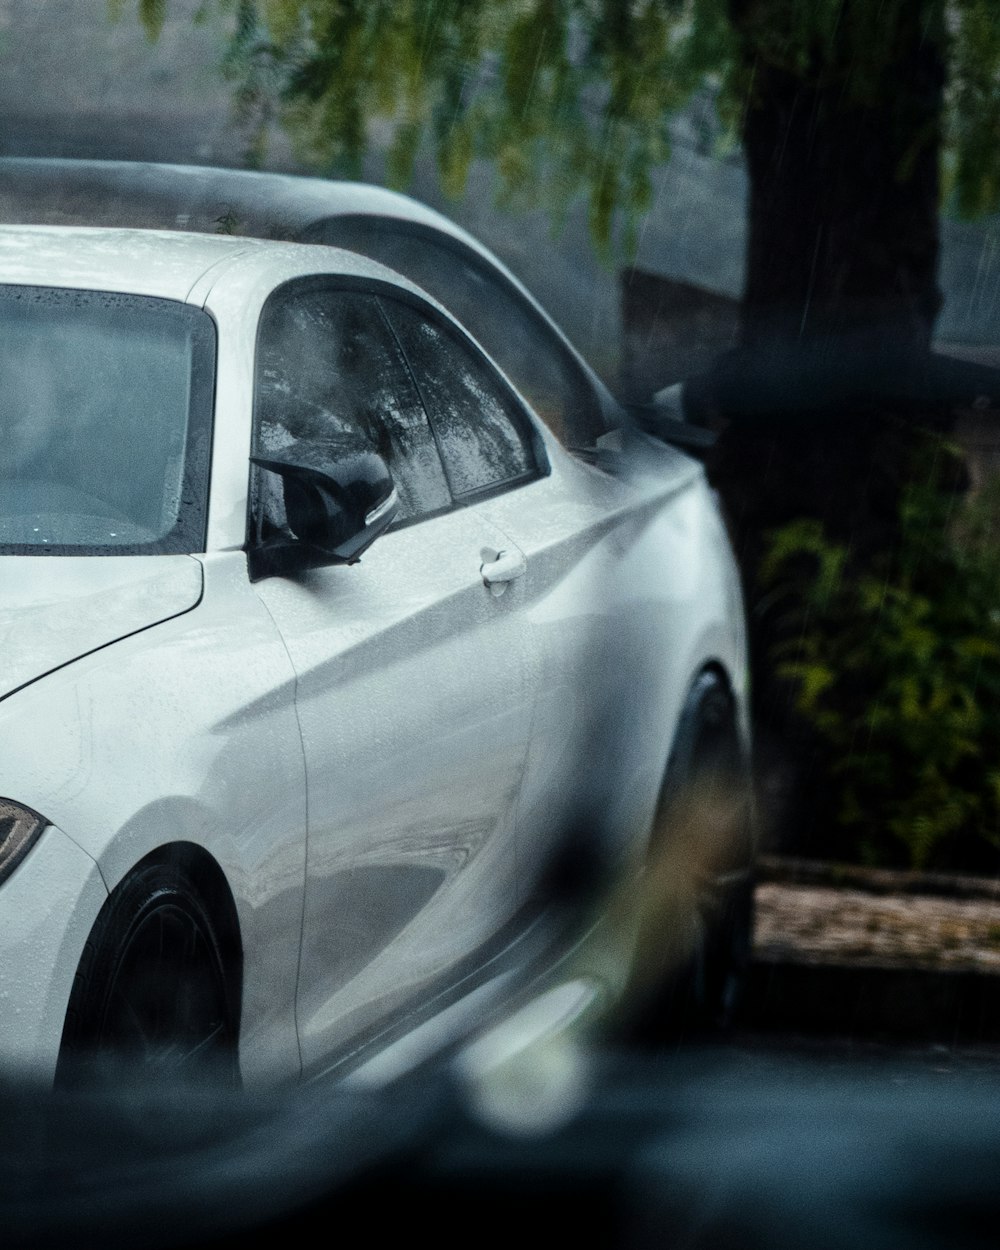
(839, 305)
(841, 289)
(843, 214)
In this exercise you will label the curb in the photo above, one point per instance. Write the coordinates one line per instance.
(796, 991)
(788, 871)
(911, 1004)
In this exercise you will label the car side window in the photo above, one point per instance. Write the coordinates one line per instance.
(331, 381)
(484, 438)
(521, 341)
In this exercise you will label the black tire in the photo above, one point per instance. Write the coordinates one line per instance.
(699, 995)
(152, 999)
(721, 968)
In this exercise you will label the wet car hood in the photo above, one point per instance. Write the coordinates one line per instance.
(54, 609)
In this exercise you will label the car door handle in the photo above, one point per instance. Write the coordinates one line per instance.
(507, 567)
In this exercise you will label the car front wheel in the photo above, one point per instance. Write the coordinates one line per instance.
(152, 997)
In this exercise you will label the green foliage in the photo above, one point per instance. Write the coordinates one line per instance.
(152, 14)
(571, 99)
(566, 99)
(895, 662)
(973, 114)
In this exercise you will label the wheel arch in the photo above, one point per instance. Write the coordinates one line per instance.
(712, 678)
(695, 939)
(711, 732)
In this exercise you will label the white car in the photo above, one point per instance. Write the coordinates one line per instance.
(316, 644)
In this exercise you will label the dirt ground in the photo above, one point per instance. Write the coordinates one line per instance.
(814, 923)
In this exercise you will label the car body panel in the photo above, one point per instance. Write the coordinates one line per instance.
(84, 258)
(195, 198)
(56, 608)
(47, 909)
(248, 203)
(198, 706)
(203, 201)
(415, 695)
(620, 567)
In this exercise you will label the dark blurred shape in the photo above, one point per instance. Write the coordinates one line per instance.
(699, 1151)
(671, 330)
(898, 1004)
(807, 381)
(175, 1164)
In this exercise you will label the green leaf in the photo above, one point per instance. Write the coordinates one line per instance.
(152, 14)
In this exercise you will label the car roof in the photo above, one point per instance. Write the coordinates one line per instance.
(204, 199)
(251, 205)
(162, 263)
(198, 198)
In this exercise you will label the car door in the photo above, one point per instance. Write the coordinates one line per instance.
(603, 622)
(625, 606)
(414, 684)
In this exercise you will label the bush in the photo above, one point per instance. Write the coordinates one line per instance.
(894, 660)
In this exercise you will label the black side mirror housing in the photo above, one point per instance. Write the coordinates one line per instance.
(665, 416)
(334, 513)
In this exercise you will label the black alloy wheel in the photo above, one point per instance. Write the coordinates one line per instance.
(152, 1000)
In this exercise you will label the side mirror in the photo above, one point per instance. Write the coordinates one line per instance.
(334, 513)
(665, 417)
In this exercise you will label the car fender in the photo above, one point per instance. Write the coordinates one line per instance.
(185, 732)
(47, 908)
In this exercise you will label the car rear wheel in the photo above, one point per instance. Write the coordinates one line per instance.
(694, 952)
(152, 1000)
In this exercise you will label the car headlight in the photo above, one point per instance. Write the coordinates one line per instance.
(20, 828)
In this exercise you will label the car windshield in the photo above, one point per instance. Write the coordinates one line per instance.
(105, 409)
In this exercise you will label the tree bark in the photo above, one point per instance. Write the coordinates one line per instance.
(834, 364)
(841, 290)
(844, 195)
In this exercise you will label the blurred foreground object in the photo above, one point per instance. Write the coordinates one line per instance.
(705, 1152)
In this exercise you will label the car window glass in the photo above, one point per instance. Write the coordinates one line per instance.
(494, 312)
(331, 381)
(484, 440)
(105, 422)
